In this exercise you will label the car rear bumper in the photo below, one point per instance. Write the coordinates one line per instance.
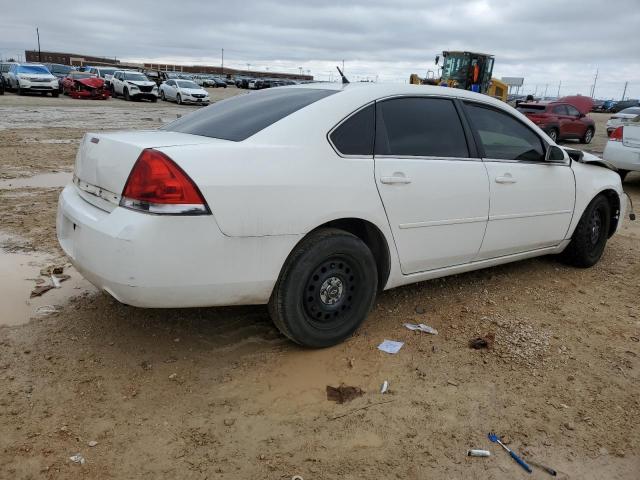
(165, 261)
(621, 156)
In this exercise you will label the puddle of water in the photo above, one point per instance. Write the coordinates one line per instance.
(44, 180)
(17, 271)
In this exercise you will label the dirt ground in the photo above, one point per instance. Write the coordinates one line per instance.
(218, 393)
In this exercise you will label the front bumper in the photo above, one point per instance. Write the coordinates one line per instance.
(51, 86)
(165, 261)
(195, 101)
(144, 95)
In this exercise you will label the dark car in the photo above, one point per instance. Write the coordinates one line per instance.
(60, 71)
(1, 85)
(560, 120)
(622, 104)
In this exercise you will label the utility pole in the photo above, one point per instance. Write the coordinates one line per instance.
(545, 90)
(593, 88)
(222, 62)
(38, 34)
(342, 65)
(625, 90)
(559, 85)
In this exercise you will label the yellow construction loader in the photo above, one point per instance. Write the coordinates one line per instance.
(468, 71)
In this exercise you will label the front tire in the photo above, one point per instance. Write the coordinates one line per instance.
(178, 99)
(553, 134)
(588, 136)
(590, 237)
(325, 290)
(125, 92)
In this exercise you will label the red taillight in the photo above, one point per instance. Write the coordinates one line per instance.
(157, 185)
(616, 135)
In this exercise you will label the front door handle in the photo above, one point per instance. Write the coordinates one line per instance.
(396, 179)
(506, 178)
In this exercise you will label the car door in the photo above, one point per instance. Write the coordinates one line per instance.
(531, 199)
(564, 122)
(433, 186)
(170, 90)
(575, 119)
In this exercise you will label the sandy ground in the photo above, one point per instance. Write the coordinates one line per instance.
(218, 393)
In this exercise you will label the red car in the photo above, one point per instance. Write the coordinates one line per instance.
(84, 85)
(561, 119)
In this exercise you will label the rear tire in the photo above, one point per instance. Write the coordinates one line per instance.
(590, 237)
(162, 97)
(588, 136)
(326, 289)
(553, 134)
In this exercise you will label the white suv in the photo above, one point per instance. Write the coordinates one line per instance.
(133, 85)
(32, 77)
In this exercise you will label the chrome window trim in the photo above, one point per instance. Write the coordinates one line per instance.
(427, 157)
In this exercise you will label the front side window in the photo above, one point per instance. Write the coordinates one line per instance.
(355, 135)
(503, 137)
(573, 111)
(424, 127)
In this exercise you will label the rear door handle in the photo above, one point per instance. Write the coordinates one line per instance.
(506, 178)
(395, 180)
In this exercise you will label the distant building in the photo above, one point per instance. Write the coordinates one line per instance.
(67, 58)
(76, 59)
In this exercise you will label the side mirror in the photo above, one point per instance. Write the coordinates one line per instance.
(581, 115)
(554, 154)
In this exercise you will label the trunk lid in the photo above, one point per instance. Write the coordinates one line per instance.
(104, 160)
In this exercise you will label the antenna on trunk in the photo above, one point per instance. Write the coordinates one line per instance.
(344, 79)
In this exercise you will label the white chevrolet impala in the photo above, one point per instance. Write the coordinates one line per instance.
(314, 198)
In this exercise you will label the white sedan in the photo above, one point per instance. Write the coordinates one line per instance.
(621, 118)
(314, 198)
(623, 148)
(184, 91)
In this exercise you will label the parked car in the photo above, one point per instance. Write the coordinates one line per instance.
(218, 82)
(59, 71)
(133, 85)
(623, 148)
(2, 88)
(85, 85)
(560, 120)
(239, 203)
(622, 117)
(184, 91)
(4, 71)
(621, 105)
(104, 73)
(33, 77)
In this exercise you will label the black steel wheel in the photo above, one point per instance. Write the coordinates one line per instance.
(590, 236)
(325, 290)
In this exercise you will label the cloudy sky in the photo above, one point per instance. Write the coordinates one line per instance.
(545, 41)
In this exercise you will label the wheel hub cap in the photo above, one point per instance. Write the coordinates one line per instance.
(331, 290)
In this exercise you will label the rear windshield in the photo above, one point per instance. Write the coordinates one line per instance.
(531, 108)
(60, 69)
(239, 117)
(187, 84)
(106, 71)
(32, 69)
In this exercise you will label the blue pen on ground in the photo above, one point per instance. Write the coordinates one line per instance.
(495, 439)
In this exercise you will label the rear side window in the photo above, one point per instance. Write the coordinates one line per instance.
(503, 137)
(425, 127)
(355, 135)
(532, 108)
(239, 117)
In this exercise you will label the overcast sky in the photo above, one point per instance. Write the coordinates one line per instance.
(545, 41)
